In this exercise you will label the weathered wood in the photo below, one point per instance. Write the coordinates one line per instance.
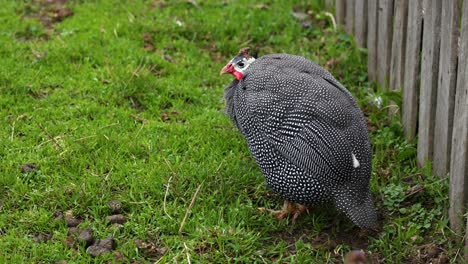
(429, 77)
(459, 153)
(412, 61)
(372, 18)
(340, 11)
(329, 4)
(384, 42)
(466, 240)
(446, 86)
(397, 62)
(360, 22)
(350, 16)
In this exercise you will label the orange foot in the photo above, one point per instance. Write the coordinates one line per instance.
(288, 208)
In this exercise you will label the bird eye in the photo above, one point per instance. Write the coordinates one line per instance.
(241, 64)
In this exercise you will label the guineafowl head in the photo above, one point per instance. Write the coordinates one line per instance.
(239, 64)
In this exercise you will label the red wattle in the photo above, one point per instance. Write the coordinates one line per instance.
(238, 75)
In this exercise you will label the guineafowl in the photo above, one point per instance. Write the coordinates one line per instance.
(305, 132)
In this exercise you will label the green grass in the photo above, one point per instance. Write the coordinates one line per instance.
(121, 101)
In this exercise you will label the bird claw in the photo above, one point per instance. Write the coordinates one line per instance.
(288, 209)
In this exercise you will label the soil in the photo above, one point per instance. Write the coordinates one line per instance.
(48, 12)
(29, 167)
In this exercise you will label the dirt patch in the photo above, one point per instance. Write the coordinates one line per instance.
(44, 91)
(29, 168)
(160, 4)
(169, 58)
(157, 70)
(48, 12)
(169, 116)
(42, 237)
(150, 249)
(429, 253)
(371, 127)
(206, 248)
(148, 44)
(332, 63)
(213, 51)
(135, 103)
(414, 190)
(119, 256)
(328, 239)
(307, 18)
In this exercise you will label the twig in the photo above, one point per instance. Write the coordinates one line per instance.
(219, 167)
(456, 255)
(332, 19)
(217, 170)
(159, 260)
(109, 125)
(194, 3)
(167, 186)
(458, 251)
(12, 130)
(189, 209)
(169, 166)
(107, 174)
(139, 130)
(13, 125)
(83, 138)
(50, 136)
(188, 254)
(165, 197)
(144, 202)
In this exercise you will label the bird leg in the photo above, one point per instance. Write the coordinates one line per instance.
(288, 208)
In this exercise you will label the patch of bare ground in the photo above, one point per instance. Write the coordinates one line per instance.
(48, 12)
(150, 249)
(328, 239)
(429, 253)
(135, 103)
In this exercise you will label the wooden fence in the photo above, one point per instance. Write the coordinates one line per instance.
(421, 48)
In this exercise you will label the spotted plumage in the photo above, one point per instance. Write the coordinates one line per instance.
(305, 131)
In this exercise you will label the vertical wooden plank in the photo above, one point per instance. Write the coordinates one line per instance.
(429, 77)
(350, 16)
(372, 18)
(459, 153)
(446, 90)
(466, 240)
(360, 22)
(329, 5)
(412, 61)
(384, 42)
(397, 62)
(340, 11)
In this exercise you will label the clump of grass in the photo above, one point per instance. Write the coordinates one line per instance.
(121, 101)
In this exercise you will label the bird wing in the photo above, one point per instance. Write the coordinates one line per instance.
(319, 127)
(317, 142)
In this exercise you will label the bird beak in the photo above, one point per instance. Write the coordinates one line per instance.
(227, 69)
